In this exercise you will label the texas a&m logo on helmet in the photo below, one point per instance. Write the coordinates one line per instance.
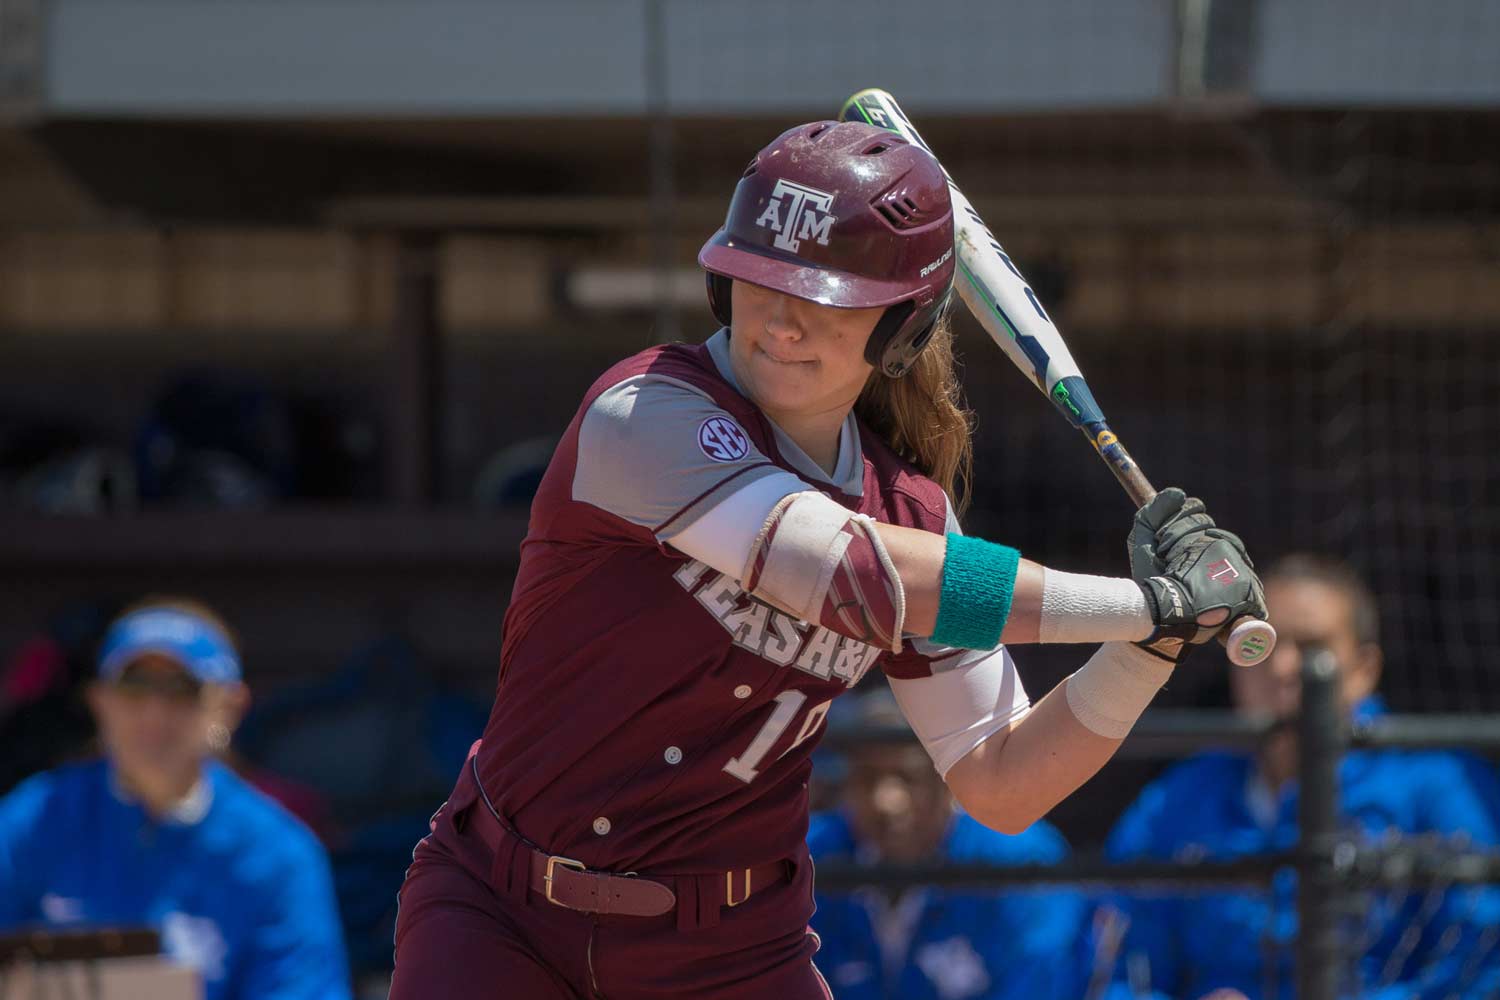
(796, 213)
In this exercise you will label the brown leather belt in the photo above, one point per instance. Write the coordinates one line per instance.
(567, 883)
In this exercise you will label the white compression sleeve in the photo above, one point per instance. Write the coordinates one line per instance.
(724, 535)
(953, 711)
(1081, 608)
(1109, 692)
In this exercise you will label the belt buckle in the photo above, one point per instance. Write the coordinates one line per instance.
(552, 863)
(729, 888)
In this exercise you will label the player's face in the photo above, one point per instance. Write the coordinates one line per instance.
(1306, 613)
(897, 802)
(796, 357)
(154, 721)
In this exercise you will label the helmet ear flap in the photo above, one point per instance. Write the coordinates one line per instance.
(883, 349)
(901, 334)
(719, 296)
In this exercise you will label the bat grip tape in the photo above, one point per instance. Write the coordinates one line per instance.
(979, 579)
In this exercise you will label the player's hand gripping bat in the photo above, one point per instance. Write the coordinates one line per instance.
(992, 287)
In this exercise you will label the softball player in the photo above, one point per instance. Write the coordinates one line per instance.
(729, 536)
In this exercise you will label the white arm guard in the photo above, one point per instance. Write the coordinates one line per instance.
(823, 564)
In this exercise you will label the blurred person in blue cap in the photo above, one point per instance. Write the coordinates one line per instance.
(928, 943)
(158, 833)
(1237, 944)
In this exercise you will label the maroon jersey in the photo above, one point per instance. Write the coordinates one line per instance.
(650, 715)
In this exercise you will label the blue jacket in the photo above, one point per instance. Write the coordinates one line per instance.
(242, 892)
(1214, 807)
(958, 945)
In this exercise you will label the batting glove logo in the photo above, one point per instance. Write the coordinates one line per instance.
(722, 440)
(1223, 571)
(1174, 594)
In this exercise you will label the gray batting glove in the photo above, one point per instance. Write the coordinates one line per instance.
(1160, 526)
(1197, 578)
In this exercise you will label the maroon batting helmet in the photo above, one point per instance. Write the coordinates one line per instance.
(843, 214)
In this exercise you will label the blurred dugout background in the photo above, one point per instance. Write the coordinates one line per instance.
(294, 296)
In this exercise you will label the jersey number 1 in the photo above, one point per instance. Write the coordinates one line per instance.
(788, 703)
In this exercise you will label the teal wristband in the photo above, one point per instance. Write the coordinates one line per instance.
(979, 578)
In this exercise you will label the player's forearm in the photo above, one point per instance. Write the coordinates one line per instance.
(1045, 605)
(918, 556)
(1014, 778)
(879, 582)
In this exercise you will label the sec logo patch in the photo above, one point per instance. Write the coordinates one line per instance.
(722, 440)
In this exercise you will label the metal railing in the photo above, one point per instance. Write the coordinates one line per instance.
(1329, 863)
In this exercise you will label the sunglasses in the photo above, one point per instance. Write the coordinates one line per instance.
(174, 686)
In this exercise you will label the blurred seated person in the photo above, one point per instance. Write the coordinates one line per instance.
(158, 833)
(1236, 944)
(934, 943)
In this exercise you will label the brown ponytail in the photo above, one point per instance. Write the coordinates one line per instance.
(923, 419)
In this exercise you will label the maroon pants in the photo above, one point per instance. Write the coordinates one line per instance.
(459, 939)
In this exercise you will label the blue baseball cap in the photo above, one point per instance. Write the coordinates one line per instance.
(188, 639)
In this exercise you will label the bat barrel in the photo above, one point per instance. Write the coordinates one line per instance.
(997, 294)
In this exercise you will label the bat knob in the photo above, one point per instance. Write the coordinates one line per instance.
(1249, 642)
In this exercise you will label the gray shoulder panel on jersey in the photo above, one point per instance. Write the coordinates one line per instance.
(659, 452)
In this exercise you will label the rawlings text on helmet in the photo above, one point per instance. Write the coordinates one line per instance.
(806, 215)
(937, 263)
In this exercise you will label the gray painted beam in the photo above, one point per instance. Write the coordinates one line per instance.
(270, 58)
(243, 58)
(957, 55)
(1379, 52)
